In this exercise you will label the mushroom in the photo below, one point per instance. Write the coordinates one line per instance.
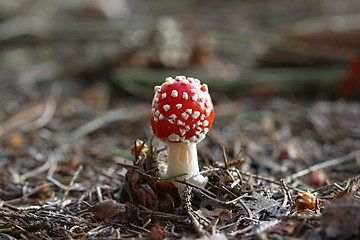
(182, 113)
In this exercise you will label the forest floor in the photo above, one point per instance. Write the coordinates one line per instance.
(277, 167)
(77, 156)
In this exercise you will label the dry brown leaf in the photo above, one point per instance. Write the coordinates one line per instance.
(306, 201)
(156, 233)
(107, 209)
(221, 214)
(317, 178)
(145, 195)
(341, 218)
(168, 196)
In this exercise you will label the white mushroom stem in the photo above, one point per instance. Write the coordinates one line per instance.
(182, 158)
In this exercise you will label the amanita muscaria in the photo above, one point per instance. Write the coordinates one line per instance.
(182, 113)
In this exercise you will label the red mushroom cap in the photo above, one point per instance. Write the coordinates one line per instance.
(182, 110)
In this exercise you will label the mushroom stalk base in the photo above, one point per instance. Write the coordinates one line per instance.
(182, 158)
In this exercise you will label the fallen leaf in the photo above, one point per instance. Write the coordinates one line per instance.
(107, 209)
(341, 218)
(317, 178)
(156, 233)
(290, 229)
(306, 201)
(145, 195)
(168, 196)
(221, 214)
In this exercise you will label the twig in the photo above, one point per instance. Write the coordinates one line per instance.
(99, 194)
(206, 192)
(139, 228)
(329, 163)
(242, 231)
(147, 223)
(224, 157)
(94, 231)
(270, 180)
(33, 117)
(286, 192)
(266, 179)
(22, 118)
(49, 111)
(122, 114)
(68, 188)
(56, 183)
(234, 224)
(163, 215)
(66, 142)
(31, 216)
(315, 216)
(242, 203)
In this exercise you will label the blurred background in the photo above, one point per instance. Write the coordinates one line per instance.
(240, 48)
(276, 69)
